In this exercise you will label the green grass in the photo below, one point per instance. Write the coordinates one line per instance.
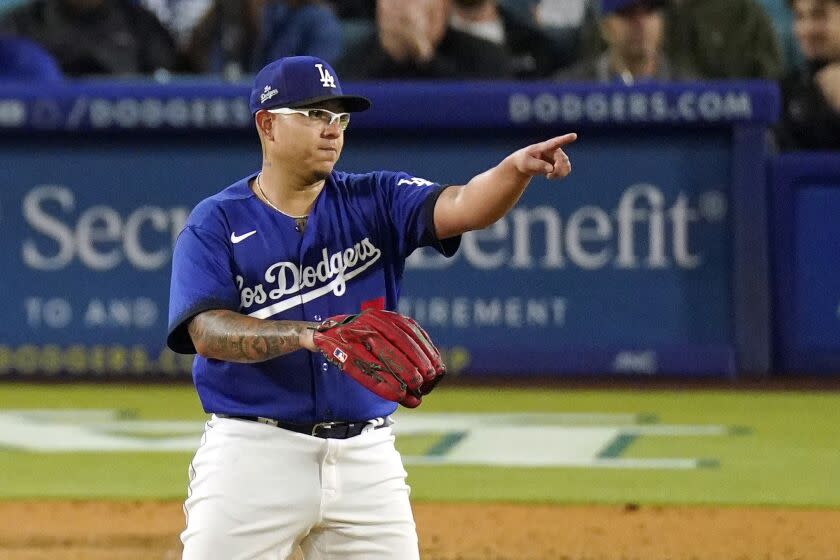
(789, 456)
(92, 475)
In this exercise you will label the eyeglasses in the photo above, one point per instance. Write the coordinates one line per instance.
(320, 116)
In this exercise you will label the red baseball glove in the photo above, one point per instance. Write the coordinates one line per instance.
(388, 353)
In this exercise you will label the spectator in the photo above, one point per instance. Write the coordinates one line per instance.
(717, 39)
(462, 39)
(529, 50)
(24, 61)
(242, 36)
(782, 20)
(724, 39)
(179, 16)
(297, 27)
(561, 20)
(222, 42)
(559, 14)
(811, 95)
(114, 37)
(633, 31)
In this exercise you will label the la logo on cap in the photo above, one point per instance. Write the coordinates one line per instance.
(267, 94)
(327, 79)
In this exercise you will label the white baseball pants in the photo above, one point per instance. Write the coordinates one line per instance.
(257, 492)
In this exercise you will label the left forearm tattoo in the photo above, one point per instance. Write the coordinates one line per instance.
(231, 336)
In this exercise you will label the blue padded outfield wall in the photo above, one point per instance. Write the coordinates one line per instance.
(650, 259)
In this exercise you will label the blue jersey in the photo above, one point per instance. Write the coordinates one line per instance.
(237, 253)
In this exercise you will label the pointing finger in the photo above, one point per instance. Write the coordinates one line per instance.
(557, 142)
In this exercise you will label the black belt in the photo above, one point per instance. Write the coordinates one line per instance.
(326, 430)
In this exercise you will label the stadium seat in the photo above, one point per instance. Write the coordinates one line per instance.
(23, 60)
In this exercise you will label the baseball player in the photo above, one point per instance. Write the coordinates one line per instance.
(282, 284)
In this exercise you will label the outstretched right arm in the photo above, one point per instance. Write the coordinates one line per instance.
(222, 334)
(490, 195)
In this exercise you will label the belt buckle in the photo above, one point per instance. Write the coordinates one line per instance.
(375, 423)
(320, 425)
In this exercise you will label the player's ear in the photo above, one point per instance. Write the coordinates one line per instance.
(263, 119)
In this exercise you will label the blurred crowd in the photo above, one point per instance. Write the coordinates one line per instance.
(796, 42)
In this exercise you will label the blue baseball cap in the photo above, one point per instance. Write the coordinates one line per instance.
(610, 6)
(300, 81)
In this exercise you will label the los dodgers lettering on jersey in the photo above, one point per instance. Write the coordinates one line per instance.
(237, 253)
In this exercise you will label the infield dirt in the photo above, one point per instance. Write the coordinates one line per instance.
(148, 530)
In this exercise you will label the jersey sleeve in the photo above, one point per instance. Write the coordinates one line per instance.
(411, 208)
(202, 279)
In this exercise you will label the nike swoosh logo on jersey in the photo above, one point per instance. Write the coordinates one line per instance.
(237, 238)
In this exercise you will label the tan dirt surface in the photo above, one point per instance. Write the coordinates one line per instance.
(148, 530)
